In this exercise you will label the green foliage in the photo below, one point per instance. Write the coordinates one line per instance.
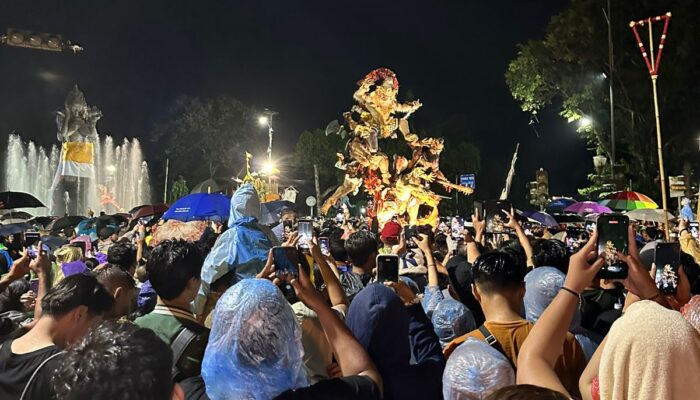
(203, 136)
(179, 189)
(566, 68)
(314, 147)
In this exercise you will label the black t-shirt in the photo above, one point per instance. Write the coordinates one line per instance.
(16, 369)
(347, 388)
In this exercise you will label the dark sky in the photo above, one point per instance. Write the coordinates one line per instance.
(300, 58)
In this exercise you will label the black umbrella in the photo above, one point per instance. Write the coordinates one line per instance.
(16, 215)
(65, 222)
(42, 221)
(12, 200)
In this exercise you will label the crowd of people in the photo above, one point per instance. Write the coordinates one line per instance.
(477, 316)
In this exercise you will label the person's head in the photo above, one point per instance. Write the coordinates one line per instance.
(69, 233)
(541, 287)
(390, 233)
(650, 234)
(174, 269)
(475, 370)
(120, 285)
(650, 334)
(76, 304)
(498, 274)
(68, 254)
(92, 263)
(452, 319)
(337, 246)
(550, 253)
(123, 255)
(10, 297)
(105, 233)
(361, 247)
(525, 392)
(117, 361)
(288, 214)
(254, 348)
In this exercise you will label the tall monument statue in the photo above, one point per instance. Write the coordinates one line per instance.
(77, 133)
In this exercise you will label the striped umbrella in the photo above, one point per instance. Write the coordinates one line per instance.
(627, 201)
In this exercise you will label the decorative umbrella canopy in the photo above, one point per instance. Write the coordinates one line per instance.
(559, 205)
(11, 200)
(649, 214)
(627, 201)
(200, 207)
(541, 217)
(587, 207)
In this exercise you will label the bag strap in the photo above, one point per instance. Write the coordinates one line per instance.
(36, 372)
(179, 345)
(493, 342)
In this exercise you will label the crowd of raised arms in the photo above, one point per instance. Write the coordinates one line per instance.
(346, 310)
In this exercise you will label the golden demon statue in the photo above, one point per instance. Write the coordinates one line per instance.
(378, 114)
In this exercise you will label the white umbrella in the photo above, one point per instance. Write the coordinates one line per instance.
(8, 221)
(649, 214)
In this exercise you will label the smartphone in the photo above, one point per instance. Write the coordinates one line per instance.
(34, 285)
(479, 209)
(287, 228)
(575, 238)
(667, 259)
(325, 245)
(694, 229)
(286, 259)
(527, 228)
(387, 268)
(409, 232)
(31, 238)
(612, 237)
(457, 228)
(589, 226)
(306, 232)
(495, 214)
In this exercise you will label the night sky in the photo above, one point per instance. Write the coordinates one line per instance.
(300, 58)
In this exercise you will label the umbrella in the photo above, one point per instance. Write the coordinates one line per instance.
(567, 218)
(626, 201)
(272, 209)
(9, 221)
(109, 221)
(13, 229)
(16, 215)
(11, 200)
(53, 242)
(147, 211)
(41, 221)
(69, 221)
(587, 207)
(541, 217)
(649, 214)
(174, 229)
(200, 207)
(559, 204)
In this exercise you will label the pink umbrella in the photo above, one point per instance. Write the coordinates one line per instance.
(588, 207)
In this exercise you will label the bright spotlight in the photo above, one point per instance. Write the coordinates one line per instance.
(363, 211)
(585, 122)
(268, 168)
(263, 120)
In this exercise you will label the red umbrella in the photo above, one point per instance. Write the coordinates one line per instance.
(153, 209)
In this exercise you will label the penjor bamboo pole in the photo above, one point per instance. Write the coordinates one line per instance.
(659, 147)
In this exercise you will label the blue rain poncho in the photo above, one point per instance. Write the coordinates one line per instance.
(452, 319)
(542, 284)
(474, 371)
(243, 247)
(254, 349)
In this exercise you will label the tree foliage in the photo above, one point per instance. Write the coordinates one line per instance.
(315, 147)
(569, 68)
(208, 136)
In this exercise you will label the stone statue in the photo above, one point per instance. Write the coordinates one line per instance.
(76, 122)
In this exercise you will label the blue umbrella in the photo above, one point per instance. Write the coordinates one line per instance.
(13, 229)
(541, 217)
(559, 205)
(200, 207)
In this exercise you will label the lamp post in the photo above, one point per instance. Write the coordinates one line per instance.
(266, 120)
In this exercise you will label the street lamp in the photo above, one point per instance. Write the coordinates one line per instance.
(266, 120)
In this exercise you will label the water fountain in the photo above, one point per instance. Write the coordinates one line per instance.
(86, 172)
(120, 181)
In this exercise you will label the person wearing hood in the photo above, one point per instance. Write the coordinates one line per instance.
(241, 250)
(393, 329)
